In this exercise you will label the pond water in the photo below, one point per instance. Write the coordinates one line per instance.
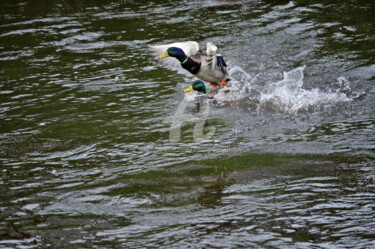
(87, 116)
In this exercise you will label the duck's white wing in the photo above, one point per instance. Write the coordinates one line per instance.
(215, 62)
(190, 48)
(211, 49)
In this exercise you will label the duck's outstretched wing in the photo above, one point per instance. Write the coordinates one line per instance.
(216, 60)
(215, 63)
(190, 48)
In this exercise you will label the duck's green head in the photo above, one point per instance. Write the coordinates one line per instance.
(198, 86)
(178, 53)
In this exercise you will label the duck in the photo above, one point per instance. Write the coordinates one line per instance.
(196, 93)
(225, 95)
(198, 86)
(201, 90)
(205, 65)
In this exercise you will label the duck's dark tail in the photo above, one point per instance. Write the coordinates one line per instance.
(223, 67)
(220, 62)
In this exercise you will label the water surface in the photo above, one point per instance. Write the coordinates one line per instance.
(85, 149)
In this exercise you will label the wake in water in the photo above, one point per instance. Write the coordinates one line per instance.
(287, 95)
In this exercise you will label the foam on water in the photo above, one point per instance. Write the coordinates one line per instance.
(288, 94)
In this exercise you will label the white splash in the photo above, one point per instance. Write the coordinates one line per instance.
(288, 96)
(284, 96)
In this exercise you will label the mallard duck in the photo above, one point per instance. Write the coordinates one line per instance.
(208, 66)
(226, 95)
(199, 86)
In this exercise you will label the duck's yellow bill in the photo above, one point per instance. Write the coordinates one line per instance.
(189, 89)
(164, 55)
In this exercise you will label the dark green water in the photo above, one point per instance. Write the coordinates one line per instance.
(86, 159)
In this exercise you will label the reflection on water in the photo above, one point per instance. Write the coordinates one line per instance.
(86, 159)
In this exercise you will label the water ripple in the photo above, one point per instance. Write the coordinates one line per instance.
(85, 145)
